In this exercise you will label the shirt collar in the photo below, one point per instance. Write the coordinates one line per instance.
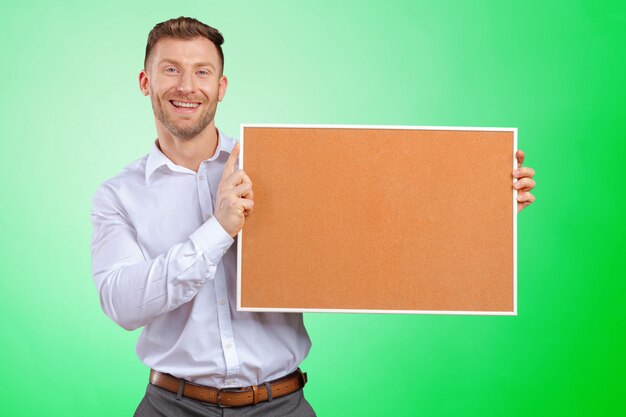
(157, 159)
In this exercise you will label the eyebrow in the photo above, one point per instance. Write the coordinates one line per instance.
(173, 61)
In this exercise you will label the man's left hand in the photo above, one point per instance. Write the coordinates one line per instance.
(524, 183)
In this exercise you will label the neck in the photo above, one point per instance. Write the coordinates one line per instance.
(188, 153)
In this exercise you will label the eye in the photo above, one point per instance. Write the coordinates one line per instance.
(203, 72)
(170, 70)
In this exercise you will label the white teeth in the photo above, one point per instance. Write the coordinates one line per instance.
(183, 104)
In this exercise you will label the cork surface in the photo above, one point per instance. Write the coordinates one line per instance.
(378, 219)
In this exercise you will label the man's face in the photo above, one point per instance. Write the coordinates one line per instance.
(183, 79)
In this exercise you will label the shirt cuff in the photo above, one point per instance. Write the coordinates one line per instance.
(212, 239)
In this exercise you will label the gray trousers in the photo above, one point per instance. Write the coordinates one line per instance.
(158, 402)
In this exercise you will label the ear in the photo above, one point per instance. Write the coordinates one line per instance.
(144, 82)
(223, 83)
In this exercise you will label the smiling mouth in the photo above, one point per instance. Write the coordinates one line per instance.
(184, 104)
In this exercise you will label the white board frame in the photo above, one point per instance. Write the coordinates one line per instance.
(365, 311)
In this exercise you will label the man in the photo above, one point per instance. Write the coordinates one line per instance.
(163, 254)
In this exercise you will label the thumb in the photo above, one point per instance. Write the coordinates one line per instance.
(229, 168)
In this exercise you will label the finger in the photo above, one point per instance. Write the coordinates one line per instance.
(520, 157)
(244, 190)
(244, 177)
(245, 205)
(525, 197)
(229, 167)
(525, 184)
(521, 206)
(247, 211)
(524, 172)
(236, 178)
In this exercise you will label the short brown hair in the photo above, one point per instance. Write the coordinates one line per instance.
(184, 28)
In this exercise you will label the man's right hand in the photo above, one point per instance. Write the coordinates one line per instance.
(234, 196)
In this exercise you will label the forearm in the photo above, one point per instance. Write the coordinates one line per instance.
(134, 291)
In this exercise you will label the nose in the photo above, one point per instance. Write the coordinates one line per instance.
(186, 83)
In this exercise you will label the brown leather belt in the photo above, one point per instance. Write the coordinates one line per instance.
(230, 397)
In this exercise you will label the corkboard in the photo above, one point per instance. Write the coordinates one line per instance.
(379, 219)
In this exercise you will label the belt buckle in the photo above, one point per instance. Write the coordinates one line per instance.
(219, 398)
(226, 390)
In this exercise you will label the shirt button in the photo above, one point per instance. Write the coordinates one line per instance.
(222, 301)
(201, 177)
(231, 381)
(228, 346)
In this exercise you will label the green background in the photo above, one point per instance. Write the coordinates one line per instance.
(72, 116)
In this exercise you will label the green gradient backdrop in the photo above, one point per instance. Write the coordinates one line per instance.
(72, 116)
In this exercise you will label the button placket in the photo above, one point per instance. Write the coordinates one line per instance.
(226, 329)
(204, 193)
